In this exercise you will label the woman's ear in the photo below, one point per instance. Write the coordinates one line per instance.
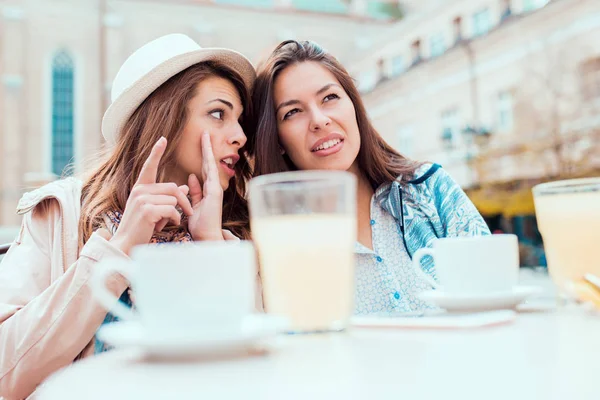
(281, 150)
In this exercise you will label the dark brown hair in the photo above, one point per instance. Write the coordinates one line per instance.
(377, 160)
(163, 113)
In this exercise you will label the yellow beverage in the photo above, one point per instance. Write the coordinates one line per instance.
(307, 268)
(569, 221)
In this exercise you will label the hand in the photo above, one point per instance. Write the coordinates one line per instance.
(207, 199)
(150, 205)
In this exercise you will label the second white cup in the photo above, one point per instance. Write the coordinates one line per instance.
(479, 264)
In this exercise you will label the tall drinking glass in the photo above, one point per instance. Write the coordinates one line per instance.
(568, 217)
(304, 227)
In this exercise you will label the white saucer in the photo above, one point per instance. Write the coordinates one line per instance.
(254, 330)
(467, 302)
(439, 320)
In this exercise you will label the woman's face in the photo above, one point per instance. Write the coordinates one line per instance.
(216, 108)
(316, 120)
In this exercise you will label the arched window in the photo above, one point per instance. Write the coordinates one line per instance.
(62, 112)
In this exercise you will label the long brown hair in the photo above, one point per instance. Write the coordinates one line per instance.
(377, 160)
(163, 113)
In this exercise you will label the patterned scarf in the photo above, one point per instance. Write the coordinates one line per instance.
(168, 235)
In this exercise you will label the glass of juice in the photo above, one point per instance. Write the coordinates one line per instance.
(568, 217)
(304, 228)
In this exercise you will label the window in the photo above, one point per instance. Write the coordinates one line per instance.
(381, 72)
(331, 6)
(255, 3)
(367, 80)
(458, 34)
(530, 5)
(450, 127)
(481, 22)
(397, 66)
(505, 7)
(62, 112)
(590, 79)
(405, 140)
(416, 52)
(438, 46)
(504, 104)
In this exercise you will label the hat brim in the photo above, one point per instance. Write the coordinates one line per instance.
(125, 105)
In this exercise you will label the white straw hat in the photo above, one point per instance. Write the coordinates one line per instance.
(152, 65)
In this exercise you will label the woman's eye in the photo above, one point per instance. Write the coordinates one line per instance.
(217, 114)
(290, 113)
(331, 96)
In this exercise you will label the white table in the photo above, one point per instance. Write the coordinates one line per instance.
(552, 355)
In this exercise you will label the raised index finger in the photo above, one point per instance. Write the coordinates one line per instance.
(210, 164)
(150, 167)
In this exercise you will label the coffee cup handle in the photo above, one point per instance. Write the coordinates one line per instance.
(416, 261)
(98, 284)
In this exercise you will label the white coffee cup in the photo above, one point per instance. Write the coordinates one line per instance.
(201, 287)
(478, 264)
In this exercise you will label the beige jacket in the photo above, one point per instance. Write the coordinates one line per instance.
(48, 316)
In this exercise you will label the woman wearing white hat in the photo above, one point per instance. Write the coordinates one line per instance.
(176, 171)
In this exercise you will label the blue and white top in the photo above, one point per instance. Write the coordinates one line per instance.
(385, 278)
(404, 218)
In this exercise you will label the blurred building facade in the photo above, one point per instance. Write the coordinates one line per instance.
(503, 93)
(494, 90)
(58, 59)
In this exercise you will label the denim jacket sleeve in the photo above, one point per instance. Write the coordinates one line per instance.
(457, 214)
(429, 207)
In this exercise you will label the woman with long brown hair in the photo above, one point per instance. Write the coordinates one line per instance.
(175, 172)
(310, 117)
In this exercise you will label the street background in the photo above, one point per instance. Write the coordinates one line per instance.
(503, 94)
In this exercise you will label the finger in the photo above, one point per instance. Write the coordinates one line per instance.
(161, 224)
(169, 213)
(168, 188)
(195, 189)
(172, 190)
(184, 203)
(209, 164)
(150, 167)
(185, 189)
(159, 199)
